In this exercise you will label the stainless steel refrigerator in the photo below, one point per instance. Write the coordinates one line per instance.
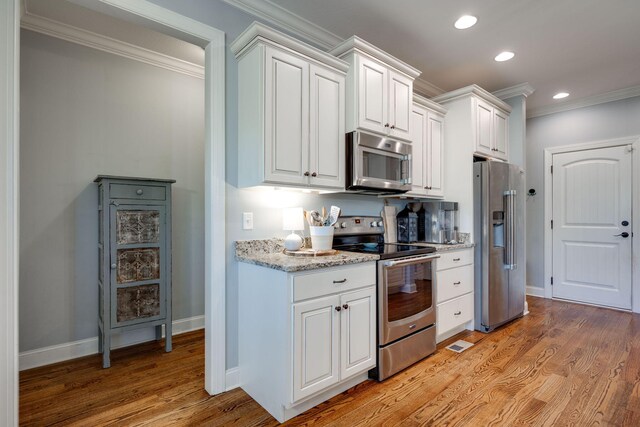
(499, 236)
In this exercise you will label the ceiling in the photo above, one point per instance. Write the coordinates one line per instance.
(584, 47)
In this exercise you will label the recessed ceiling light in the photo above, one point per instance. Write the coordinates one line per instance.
(560, 95)
(466, 21)
(504, 56)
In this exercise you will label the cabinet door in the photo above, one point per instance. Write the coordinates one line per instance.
(483, 127)
(327, 150)
(357, 332)
(435, 156)
(418, 152)
(400, 105)
(372, 96)
(286, 113)
(501, 140)
(315, 345)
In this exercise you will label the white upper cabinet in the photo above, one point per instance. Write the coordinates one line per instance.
(379, 90)
(476, 114)
(291, 112)
(427, 144)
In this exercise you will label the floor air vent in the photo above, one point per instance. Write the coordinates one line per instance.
(459, 346)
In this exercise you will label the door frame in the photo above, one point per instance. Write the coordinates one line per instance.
(634, 141)
(213, 42)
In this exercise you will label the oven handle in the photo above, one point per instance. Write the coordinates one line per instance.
(410, 261)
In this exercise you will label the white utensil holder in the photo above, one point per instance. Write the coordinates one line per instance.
(321, 238)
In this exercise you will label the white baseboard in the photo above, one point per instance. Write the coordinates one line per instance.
(535, 291)
(233, 378)
(72, 350)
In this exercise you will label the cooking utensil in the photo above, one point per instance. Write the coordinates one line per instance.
(334, 213)
(317, 219)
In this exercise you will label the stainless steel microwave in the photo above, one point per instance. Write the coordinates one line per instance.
(377, 164)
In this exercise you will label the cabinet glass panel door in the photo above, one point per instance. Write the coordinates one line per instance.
(138, 285)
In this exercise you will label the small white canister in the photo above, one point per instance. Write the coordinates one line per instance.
(321, 238)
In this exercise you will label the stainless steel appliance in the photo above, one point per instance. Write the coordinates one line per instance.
(406, 293)
(499, 252)
(439, 222)
(377, 164)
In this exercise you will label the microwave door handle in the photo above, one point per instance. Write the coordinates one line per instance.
(406, 166)
(510, 247)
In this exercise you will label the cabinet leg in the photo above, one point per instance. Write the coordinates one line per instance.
(167, 337)
(158, 332)
(106, 351)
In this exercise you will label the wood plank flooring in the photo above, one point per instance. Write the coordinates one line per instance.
(564, 364)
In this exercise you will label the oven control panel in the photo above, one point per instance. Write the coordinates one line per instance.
(359, 225)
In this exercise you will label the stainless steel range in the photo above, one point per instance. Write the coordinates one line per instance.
(406, 293)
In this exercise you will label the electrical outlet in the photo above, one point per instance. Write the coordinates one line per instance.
(247, 220)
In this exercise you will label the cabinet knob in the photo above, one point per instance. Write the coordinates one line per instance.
(338, 308)
(306, 173)
(393, 126)
(139, 191)
(314, 174)
(456, 283)
(113, 266)
(457, 313)
(386, 125)
(345, 306)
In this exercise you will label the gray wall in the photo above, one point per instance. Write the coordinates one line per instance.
(605, 121)
(83, 113)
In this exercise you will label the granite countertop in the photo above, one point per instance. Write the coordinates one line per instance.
(268, 253)
(443, 248)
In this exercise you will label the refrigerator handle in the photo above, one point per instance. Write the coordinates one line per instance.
(510, 241)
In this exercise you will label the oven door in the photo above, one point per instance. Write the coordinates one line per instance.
(406, 297)
(378, 163)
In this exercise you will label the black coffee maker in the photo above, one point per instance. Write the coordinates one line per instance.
(407, 225)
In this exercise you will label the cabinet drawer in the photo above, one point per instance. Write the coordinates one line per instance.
(454, 282)
(326, 282)
(454, 259)
(454, 313)
(138, 192)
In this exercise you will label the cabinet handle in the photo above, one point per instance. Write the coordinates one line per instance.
(456, 283)
(456, 259)
(306, 173)
(345, 306)
(340, 281)
(393, 126)
(113, 266)
(338, 308)
(314, 174)
(457, 313)
(139, 191)
(386, 125)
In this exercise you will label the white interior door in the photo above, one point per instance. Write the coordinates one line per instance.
(591, 243)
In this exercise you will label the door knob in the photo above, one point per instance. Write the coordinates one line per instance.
(623, 234)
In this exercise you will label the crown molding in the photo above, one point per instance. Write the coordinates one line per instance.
(289, 21)
(587, 101)
(426, 88)
(429, 104)
(93, 40)
(523, 89)
(257, 31)
(472, 90)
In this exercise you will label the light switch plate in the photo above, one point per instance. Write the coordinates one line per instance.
(247, 220)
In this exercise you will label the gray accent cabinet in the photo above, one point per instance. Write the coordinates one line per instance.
(134, 250)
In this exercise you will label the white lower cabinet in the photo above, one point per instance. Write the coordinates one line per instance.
(305, 337)
(454, 293)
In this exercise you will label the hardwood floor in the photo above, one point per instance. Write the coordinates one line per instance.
(564, 364)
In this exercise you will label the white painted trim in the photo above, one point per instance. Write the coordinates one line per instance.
(535, 291)
(233, 378)
(72, 350)
(429, 104)
(101, 42)
(425, 88)
(9, 208)
(289, 21)
(587, 101)
(523, 89)
(634, 141)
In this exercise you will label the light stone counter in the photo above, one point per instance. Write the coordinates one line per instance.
(269, 253)
(443, 248)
